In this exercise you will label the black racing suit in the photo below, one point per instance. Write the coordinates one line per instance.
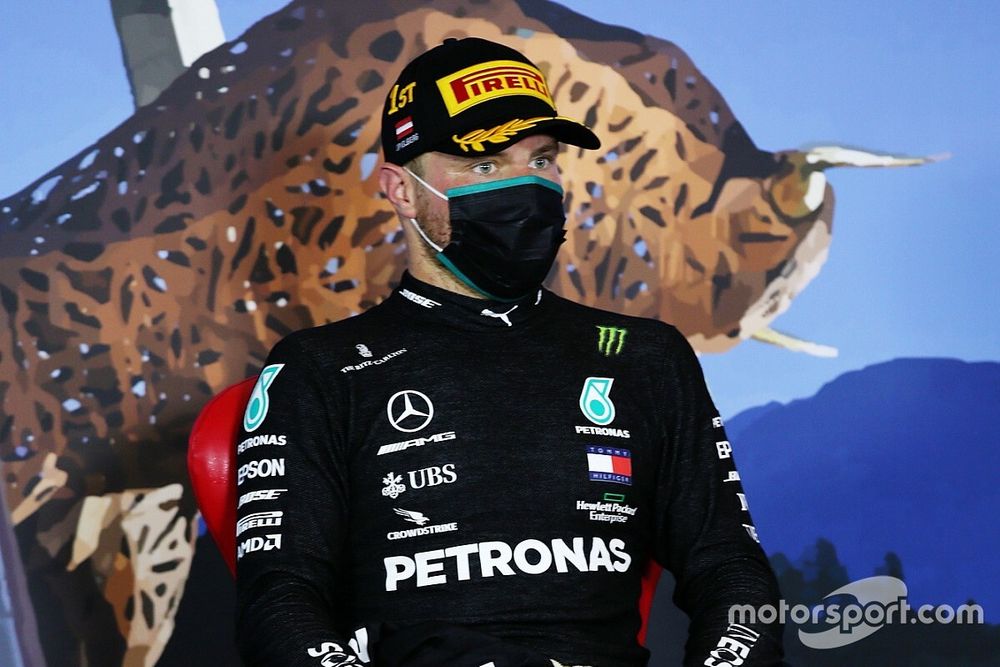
(505, 467)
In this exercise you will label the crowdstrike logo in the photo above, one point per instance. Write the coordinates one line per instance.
(409, 410)
(421, 520)
(488, 559)
(413, 517)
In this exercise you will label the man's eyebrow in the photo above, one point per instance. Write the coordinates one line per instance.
(474, 159)
(547, 147)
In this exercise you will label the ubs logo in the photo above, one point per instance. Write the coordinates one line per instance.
(409, 410)
(392, 484)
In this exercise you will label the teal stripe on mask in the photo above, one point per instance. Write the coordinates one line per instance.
(503, 183)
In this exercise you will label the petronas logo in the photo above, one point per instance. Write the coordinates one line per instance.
(610, 340)
(595, 400)
(259, 402)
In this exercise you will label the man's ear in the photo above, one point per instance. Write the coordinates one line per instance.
(398, 189)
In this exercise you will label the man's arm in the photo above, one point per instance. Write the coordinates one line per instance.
(704, 534)
(292, 519)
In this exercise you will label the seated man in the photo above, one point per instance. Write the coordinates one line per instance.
(477, 471)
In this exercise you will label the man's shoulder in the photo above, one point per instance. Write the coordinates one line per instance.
(647, 327)
(352, 331)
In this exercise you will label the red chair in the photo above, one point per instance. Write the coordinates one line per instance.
(212, 464)
(212, 467)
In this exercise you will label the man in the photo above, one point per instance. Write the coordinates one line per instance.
(476, 472)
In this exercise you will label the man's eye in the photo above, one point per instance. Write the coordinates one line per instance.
(484, 168)
(541, 162)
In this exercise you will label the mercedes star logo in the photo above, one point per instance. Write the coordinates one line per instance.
(409, 410)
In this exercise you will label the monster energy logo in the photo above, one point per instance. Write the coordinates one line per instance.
(610, 340)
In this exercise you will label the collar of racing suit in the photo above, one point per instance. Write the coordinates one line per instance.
(468, 312)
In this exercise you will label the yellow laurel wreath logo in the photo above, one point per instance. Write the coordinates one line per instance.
(495, 135)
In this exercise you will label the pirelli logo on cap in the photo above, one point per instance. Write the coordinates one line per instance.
(489, 80)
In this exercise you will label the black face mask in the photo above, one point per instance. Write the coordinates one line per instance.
(504, 234)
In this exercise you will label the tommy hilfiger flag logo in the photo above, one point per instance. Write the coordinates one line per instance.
(404, 127)
(609, 464)
(610, 340)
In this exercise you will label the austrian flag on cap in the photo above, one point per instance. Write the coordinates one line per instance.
(404, 127)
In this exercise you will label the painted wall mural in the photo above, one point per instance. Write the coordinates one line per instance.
(160, 264)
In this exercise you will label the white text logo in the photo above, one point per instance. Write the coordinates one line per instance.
(600, 430)
(262, 468)
(266, 543)
(733, 647)
(419, 479)
(258, 440)
(878, 601)
(258, 520)
(421, 520)
(417, 299)
(332, 654)
(432, 476)
(416, 442)
(263, 494)
(431, 568)
(606, 512)
(372, 362)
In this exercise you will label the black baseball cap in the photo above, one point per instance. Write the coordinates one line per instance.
(471, 97)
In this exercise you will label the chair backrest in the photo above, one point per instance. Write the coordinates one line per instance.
(212, 464)
(650, 577)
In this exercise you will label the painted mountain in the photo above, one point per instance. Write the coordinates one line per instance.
(901, 457)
